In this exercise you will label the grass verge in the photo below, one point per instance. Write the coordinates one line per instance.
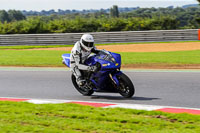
(71, 45)
(31, 58)
(53, 58)
(27, 117)
(33, 46)
(177, 57)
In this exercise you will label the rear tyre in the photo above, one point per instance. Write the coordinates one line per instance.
(126, 88)
(83, 90)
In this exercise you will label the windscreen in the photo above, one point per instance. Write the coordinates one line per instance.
(106, 56)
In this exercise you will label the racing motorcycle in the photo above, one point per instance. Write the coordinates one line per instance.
(107, 77)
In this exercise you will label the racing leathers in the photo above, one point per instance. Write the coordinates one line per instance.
(77, 59)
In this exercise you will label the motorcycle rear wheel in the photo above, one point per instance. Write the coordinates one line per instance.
(84, 91)
(126, 87)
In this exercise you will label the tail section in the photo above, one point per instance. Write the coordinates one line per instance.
(66, 59)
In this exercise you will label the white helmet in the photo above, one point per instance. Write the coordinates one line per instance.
(87, 42)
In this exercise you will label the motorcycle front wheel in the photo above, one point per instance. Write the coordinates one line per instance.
(126, 87)
(83, 90)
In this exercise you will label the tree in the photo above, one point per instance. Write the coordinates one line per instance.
(4, 16)
(198, 19)
(11, 15)
(114, 12)
(16, 15)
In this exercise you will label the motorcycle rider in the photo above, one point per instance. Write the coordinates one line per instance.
(79, 53)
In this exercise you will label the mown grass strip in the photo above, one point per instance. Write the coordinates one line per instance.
(178, 57)
(33, 46)
(53, 58)
(71, 45)
(27, 117)
(31, 58)
(146, 42)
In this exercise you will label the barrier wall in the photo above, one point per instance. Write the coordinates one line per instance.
(101, 37)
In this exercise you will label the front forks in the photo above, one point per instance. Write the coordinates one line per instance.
(114, 78)
(110, 75)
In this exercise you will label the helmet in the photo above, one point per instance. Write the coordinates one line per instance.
(87, 42)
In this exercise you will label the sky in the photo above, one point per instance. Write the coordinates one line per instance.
(39, 5)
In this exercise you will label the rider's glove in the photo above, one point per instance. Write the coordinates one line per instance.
(92, 68)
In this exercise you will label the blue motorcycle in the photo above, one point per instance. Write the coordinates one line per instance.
(107, 78)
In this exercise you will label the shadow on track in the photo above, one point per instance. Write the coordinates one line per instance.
(122, 98)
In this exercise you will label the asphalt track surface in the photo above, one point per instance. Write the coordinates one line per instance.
(166, 88)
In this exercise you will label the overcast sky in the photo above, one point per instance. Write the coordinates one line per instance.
(39, 5)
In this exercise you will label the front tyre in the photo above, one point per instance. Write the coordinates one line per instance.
(126, 88)
(83, 90)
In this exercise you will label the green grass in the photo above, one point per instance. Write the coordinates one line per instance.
(71, 45)
(33, 46)
(53, 58)
(146, 42)
(56, 118)
(31, 58)
(178, 57)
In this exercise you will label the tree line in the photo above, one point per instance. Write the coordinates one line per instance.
(42, 25)
(11, 15)
(63, 12)
(139, 19)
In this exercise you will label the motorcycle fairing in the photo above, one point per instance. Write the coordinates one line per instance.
(66, 59)
(111, 62)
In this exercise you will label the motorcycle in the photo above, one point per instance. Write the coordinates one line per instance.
(107, 78)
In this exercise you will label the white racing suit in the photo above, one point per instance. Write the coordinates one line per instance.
(77, 59)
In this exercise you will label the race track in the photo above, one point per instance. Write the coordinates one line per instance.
(177, 88)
